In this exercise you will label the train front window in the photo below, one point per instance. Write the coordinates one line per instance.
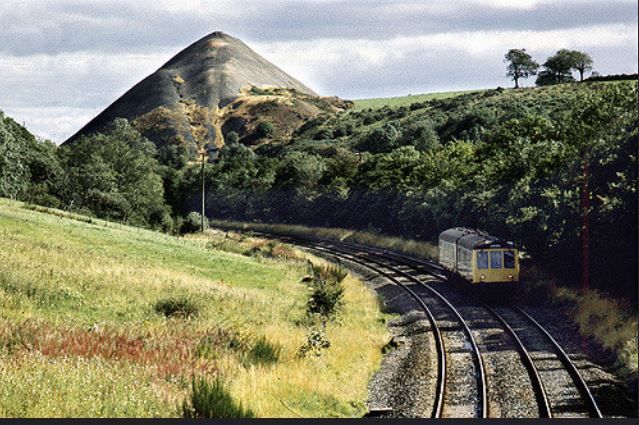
(495, 260)
(509, 259)
(482, 260)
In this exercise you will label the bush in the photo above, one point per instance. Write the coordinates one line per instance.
(212, 400)
(232, 138)
(264, 352)
(192, 223)
(328, 290)
(177, 307)
(264, 130)
(323, 134)
(381, 139)
(316, 342)
(272, 249)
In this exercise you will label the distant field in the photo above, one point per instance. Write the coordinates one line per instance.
(406, 100)
(80, 333)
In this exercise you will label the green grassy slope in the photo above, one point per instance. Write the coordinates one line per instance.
(407, 100)
(79, 335)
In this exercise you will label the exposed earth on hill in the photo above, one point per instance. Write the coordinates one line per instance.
(215, 86)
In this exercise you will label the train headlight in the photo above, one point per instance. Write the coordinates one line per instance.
(511, 277)
(482, 277)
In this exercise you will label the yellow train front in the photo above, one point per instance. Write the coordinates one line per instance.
(481, 259)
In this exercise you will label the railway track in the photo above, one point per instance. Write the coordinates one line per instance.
(558, 387)
(439, 343)
(455, 404)
(546, 406)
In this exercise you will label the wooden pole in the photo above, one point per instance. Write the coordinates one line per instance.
(585, 238)
(585, 228)
(203, 153)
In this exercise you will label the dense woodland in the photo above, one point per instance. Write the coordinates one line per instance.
(506, 161)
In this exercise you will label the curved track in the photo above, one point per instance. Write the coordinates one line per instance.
(481, 407)
(387, 263)
(545, 409)
(439, 343)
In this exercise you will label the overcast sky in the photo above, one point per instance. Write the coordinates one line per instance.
(64, 61)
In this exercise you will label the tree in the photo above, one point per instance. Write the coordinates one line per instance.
(14, 173)
(581, 62)
(114, 174)
(598, 118)
(521, 65)
(301, 172)
(557, 68)
(420, 134)
(381, 139)
(29, 167)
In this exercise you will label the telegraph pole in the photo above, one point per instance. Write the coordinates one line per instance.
(204, 159)
(585, 227)
(203, 154)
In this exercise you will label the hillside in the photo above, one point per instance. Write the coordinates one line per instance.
(215, 86)
(504, 160)
(380, 102)
(83, 330)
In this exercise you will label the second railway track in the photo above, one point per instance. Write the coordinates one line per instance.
(555, 383)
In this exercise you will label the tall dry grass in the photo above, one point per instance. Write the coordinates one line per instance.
(419, 249)
(609, 322)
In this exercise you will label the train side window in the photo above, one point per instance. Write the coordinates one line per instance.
(495, 260)
(509, 259)
(482, 260)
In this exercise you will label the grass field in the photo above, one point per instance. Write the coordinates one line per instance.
(80, 334)
(361, 104)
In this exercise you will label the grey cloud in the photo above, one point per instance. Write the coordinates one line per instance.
(125, 26)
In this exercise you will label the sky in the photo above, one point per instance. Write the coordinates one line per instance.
(64, 61)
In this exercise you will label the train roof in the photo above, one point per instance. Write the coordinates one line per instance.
(474, 239)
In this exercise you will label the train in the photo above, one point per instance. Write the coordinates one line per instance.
(479, 258)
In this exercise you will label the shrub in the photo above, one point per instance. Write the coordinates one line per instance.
(192, 223)
(381, 139)
(316, 342)
(264, 352)
(323, 134)
(232, 138)
(212, 400)
(177, 307)
(264, 130)
(328, 290)
(272, 249)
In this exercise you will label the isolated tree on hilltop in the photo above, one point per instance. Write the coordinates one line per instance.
(520, 65)
(581, 62)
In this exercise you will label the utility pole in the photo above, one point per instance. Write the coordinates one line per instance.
(585, 236)
(204, 158)
(585, 227)
(203, 155)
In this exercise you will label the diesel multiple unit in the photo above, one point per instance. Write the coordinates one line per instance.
(478, 257)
